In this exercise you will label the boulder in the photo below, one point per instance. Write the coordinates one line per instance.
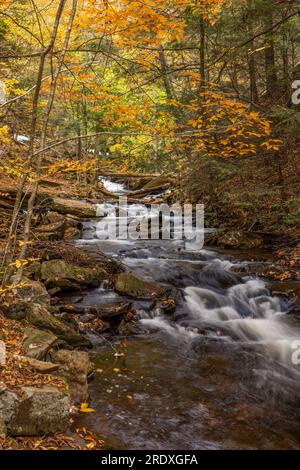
(134, 286)
(74, 207)
(76, 256)
(57, 273)
(33, 291)
(110, 312)
(18, 310)
(36, 343)
(40, 317)
(74, 367)
(2, 354)
(8, 406)
(40, 411)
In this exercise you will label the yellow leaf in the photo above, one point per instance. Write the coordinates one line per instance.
(85, 408)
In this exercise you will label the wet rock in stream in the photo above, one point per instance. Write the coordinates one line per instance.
(135, 286)
(111, 312)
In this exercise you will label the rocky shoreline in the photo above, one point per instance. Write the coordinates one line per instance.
(53, 339)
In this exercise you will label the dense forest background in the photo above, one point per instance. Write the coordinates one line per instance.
(198, 89)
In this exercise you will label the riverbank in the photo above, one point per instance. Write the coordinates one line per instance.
(44, 340)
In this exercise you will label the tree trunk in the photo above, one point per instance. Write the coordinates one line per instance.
(202, 50)
(270, 66)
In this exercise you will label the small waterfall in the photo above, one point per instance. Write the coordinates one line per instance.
(112, 187)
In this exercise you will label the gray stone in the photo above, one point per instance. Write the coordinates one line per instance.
(18, 310)
(41, 411)
(33, 291)
(36, 343)
(8, 405)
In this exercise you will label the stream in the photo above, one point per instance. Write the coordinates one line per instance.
(217, 374)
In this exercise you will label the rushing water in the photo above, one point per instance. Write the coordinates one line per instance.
(218, 374)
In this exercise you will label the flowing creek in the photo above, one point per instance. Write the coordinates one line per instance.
(218, 374)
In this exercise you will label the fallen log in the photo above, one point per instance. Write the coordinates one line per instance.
(74, 207)
(146, 191)
(132, 195)
(9, 194)
(128, 175)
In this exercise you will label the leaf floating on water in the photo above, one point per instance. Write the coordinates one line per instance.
(119, 354)
(84, 408)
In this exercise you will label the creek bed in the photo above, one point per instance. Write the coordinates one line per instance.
(218, 374)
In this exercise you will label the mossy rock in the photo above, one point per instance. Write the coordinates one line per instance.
(57, 273)
(40, 317)
(134, 286)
